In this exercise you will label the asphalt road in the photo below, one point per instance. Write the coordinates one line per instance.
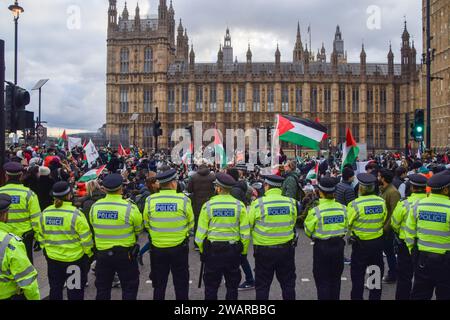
(305, 286)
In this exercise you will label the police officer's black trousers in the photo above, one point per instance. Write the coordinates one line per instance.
(328, 265)
(165, 260)
(222, 260)
(114, 261)
(365, 254)
(432, 272)
(405, 272)
(28, 238)
(75, 273)
(279, 261)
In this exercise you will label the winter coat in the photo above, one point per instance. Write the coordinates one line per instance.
(201, 188)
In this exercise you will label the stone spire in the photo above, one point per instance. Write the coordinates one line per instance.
(390, 57)
(298, 48)
(192, 58)
(125, 14)
(137, 18)
(362, 58)
(112, 14)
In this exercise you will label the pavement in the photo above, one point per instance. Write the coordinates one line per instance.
(305, 285)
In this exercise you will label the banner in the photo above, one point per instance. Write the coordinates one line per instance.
(74, 142)
(91, 153)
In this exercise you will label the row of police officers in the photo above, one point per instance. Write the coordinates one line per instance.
(225, 229)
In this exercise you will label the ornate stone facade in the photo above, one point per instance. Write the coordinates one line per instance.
(148, 69)
(440, 72)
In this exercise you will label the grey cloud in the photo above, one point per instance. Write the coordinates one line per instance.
(75, 60)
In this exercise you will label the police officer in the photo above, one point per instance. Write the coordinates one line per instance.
(399, 217)
(67, 241)
(223, 235)
(427, 230)
(117, 224)
(25, 210)
(272, 221)
(327, 225)
(169, 219)
(18, 277)
(366, 216)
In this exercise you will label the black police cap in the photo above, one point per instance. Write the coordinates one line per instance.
(5, 202)
(418, 180)
(225, 180)
(439, 181)
(327, 185)
(113, 182)
(366, 179)
(60, 189)
(167, 176)
(274, 181)
(13, 168)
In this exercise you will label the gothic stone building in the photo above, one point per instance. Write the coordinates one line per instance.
(149, 67)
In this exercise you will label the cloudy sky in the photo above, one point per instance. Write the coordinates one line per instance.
(65, 40)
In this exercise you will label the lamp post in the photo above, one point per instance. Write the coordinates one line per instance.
(16, 11)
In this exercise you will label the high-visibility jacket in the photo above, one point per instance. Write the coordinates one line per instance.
(168, 217)
(429, 225)
(116, 222)
(223, 218)
(272, 219)
(327, 220)
(24, 210)
(17, 274)
(366, 217)
(401, 212)
(65, 233)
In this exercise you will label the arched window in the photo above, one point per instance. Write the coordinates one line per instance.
(124, 60)
(148, 60)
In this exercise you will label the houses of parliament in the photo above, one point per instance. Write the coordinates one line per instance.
(150, 65)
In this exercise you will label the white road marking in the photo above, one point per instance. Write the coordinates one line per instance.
(148, 281)
(344, 279)
(305, 280)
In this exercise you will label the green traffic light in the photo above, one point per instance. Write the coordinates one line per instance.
(419, 129)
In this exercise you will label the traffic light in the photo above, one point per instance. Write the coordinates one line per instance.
(158, 130)
(419, 125)
(16, 99)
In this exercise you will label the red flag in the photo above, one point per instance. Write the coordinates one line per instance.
(84, 143)
(122, 151)
(446, 159)
(64, 135)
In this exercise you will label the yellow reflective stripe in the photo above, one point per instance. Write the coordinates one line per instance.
(24, 273)
(18, 220)
(3, 246)
(87, 244)
(273, 224)
(174, 219)
(17, 211)
(27, 282)
(35, 215)
(274, 234)
(224, 225)
(85, 235)
(223, 234)
(370, 230)
(59, 242)
(444, 246)
(245, 228)
(201, 230)
(122, 236)
(110, 227)
(433, 232)
(168, 229)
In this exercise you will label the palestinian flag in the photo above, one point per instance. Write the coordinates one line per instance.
(301, 132)
(186, 158)
(350, 150)
(313, 174)
(62, 139)
(219, 151)
(92, 174)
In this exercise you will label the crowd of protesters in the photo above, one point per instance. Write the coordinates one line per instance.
(45, 166)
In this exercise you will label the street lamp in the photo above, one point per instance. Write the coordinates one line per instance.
(16, 11)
